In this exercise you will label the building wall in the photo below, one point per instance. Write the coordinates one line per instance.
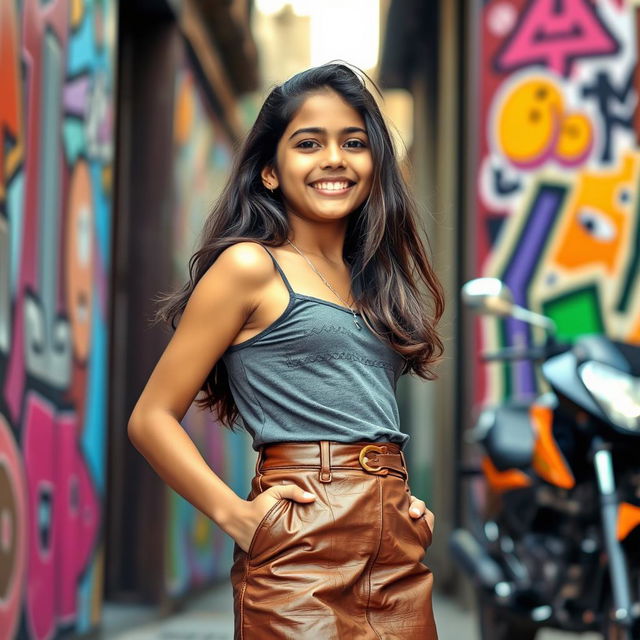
(557, 171)
(178, 122)
(56, 63)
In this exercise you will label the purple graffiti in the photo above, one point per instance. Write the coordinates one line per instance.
(519, 272)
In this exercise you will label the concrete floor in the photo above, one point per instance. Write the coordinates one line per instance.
(210, 617)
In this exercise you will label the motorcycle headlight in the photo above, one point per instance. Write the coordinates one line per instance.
(617, 392)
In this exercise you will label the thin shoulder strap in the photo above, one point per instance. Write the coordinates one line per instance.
(279, 268)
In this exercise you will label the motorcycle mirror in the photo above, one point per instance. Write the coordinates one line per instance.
(488, 295)
(492, 296)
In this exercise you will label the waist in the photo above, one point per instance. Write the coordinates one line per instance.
(378, 458)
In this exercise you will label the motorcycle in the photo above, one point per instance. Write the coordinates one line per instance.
(557, 541)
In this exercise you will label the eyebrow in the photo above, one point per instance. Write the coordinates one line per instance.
(321, 130)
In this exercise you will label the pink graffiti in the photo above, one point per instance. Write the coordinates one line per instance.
(556, 33)
(64, 515)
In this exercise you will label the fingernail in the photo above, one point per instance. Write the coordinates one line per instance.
(415, 511)
(306, 494)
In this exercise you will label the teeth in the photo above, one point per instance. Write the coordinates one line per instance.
(330, 186)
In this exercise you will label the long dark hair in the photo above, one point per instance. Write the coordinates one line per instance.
(382, 246)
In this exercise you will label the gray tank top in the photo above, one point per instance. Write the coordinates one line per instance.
(312, 375)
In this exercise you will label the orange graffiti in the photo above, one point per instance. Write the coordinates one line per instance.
(10, 96)
(185, 110)
(599, 218)
(634, 334)
(79, 259)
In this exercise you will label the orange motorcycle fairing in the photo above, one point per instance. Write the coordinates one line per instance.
(628, 519)
(504, 480)
(548, 461)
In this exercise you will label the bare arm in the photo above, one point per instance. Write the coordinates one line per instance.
(218, 308)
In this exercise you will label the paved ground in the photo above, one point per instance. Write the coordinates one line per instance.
(210, 617)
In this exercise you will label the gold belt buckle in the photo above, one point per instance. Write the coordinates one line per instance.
(365, 464)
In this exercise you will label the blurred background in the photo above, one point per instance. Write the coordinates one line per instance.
(119, 123)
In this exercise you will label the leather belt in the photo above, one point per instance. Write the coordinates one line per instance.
(376, 458)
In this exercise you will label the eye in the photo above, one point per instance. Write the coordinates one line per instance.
(304, 143)
(359, 144)
(596, 224)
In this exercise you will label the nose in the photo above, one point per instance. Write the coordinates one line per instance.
(333, 156)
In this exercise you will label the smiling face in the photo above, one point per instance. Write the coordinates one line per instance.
(324, 166)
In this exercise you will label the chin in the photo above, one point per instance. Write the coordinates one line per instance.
(333, 213)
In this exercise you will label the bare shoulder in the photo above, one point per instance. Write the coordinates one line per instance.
(237, 277)
(245, 264)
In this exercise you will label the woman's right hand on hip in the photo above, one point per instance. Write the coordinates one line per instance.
(248, 515)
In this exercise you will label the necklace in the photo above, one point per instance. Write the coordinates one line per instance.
(355, 319)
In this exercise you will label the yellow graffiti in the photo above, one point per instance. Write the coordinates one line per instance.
(532, 126)
(575, 139)
(76, 12)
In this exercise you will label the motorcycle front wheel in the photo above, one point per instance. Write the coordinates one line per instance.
(498, 623)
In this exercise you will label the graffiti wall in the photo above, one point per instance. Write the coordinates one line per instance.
(56, 115)
(197, 551)
(558, 170)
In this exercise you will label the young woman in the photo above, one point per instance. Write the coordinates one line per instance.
(310, 296)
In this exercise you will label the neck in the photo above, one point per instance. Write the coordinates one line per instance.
(325, 241)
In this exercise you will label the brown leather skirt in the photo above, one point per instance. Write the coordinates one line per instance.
(347, 565)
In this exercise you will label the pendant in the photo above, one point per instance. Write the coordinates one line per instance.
(355, 321)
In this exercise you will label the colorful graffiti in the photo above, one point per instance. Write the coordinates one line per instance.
(56, 106)
(197, 551)
(558, 208)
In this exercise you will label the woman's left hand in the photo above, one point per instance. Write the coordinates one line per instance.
(418, 509)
